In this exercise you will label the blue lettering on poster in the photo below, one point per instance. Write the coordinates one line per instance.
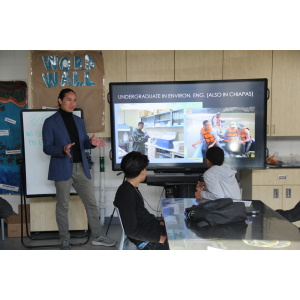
(50, 62)
(78, 63)
(50, 79)
(87, 79)
(89, 62)
(65, 78)
(76, 78)
(65, 63)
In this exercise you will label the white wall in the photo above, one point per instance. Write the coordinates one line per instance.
(14, 66)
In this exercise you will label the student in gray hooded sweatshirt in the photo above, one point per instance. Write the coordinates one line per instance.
(219, 179)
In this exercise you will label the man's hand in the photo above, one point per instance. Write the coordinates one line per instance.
(195, 144)
(67, 149)
(97, 141)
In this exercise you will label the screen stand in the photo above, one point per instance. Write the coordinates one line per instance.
(180, 190)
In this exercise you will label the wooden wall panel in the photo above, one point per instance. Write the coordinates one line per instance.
(244, 64)
(150, 65)
(198, 65)
(286, 98)
(115, 71)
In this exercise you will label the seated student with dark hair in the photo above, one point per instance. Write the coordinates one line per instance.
(219, 179)
(139, 225)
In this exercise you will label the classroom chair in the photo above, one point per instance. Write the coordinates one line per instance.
(124, 244)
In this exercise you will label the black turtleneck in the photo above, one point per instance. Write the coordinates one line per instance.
(73, 134)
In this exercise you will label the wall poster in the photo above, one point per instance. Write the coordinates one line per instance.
(13, 99)
(82, 71)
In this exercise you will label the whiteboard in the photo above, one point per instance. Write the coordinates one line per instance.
(35, 161)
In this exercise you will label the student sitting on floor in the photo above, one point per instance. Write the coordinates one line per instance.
(139, 225)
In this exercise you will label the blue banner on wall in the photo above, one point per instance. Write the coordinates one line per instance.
(13, 98)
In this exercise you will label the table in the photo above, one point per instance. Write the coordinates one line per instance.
(265, 231)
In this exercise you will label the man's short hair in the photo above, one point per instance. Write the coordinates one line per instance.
(133, 163)
(204, 122)
(140, 123)
(215, 155)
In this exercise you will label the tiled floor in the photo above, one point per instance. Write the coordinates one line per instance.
(46, 242)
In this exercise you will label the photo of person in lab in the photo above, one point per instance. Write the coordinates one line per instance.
(139, 138)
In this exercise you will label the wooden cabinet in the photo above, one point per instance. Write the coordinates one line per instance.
(285, 94)
(244, 64)
(115, 71)
(270, 195)
(150, 65)
(281, 68)
(277, 188)
(198, 65)
(247, 64)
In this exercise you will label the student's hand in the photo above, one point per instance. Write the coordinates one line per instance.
(198, 195)
(162, 239)
(97, 141)
(199, 188)
(201, 185)
(67, 149)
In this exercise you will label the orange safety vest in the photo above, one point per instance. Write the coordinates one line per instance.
(217, 121)
(209, 138)
(242, 133)
(232, 134)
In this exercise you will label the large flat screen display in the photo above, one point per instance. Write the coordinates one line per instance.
(174, 123)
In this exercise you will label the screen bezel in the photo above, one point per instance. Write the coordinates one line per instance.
(258, 162)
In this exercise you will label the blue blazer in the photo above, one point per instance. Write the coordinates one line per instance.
(55, 136)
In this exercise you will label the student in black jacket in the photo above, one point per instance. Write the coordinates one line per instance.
(139, 225)
(292, 215)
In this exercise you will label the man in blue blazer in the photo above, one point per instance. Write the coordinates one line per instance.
(65, 140)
